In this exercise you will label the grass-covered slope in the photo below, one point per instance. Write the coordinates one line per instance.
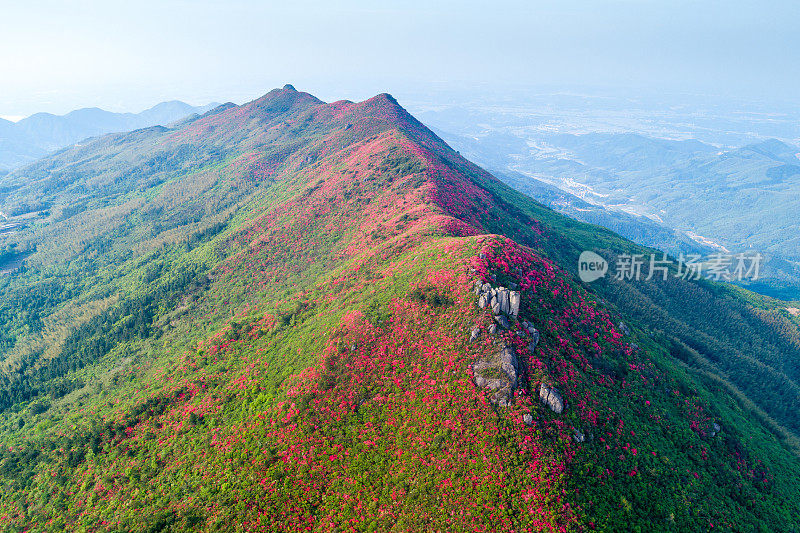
(261, 319)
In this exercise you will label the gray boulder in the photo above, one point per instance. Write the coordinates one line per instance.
(474, 334)
(503, 297)
(509, 365)
(479, 365)
(492, 329)
(494, 384)
(483, 301)
(499, 373)
(512, 375)
(527, 419)
(623, 328)
(507, 355)
(579, 435)
(551, 398)
(514, 299)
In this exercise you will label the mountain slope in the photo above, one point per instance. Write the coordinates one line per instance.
(639, 229)
(685, 187)
(263, 317)
(33, 137)
(689, 185)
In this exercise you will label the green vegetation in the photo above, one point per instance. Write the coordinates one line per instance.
(259, 320)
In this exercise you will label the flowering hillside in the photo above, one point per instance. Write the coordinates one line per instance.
(269, 319)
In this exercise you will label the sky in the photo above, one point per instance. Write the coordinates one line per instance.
(56, 56)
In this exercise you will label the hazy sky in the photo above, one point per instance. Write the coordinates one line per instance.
(60, 55)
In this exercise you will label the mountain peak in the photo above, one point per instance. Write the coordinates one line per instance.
(286, 98)
(383, 100)
(316, 265)
(387, 97)
(772, 148)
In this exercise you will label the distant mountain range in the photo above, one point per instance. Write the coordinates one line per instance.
(660, 192)
(33, 137)
(637, 228)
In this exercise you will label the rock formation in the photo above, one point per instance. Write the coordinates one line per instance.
(474, 334)
(499, 372)
(501, 300)
(551, 398)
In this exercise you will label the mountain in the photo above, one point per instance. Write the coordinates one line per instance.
(692, 190)
(660, 192)
(274, 317)
(628, 150)
(39, 134)
(637, 228)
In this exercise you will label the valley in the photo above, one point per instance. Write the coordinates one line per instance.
(656, 179)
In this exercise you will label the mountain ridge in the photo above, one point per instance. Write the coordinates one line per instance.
(265, 316)
(36, 135)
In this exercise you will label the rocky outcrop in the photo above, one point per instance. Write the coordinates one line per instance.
(500, 373)
(715, 429)
(510, 365)
(504, 303)
(551, 398)
(624, 329)
(500, 300)
(514, 299)
(474, 334)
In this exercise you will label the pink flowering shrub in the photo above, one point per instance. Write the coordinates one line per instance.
(322, 381)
